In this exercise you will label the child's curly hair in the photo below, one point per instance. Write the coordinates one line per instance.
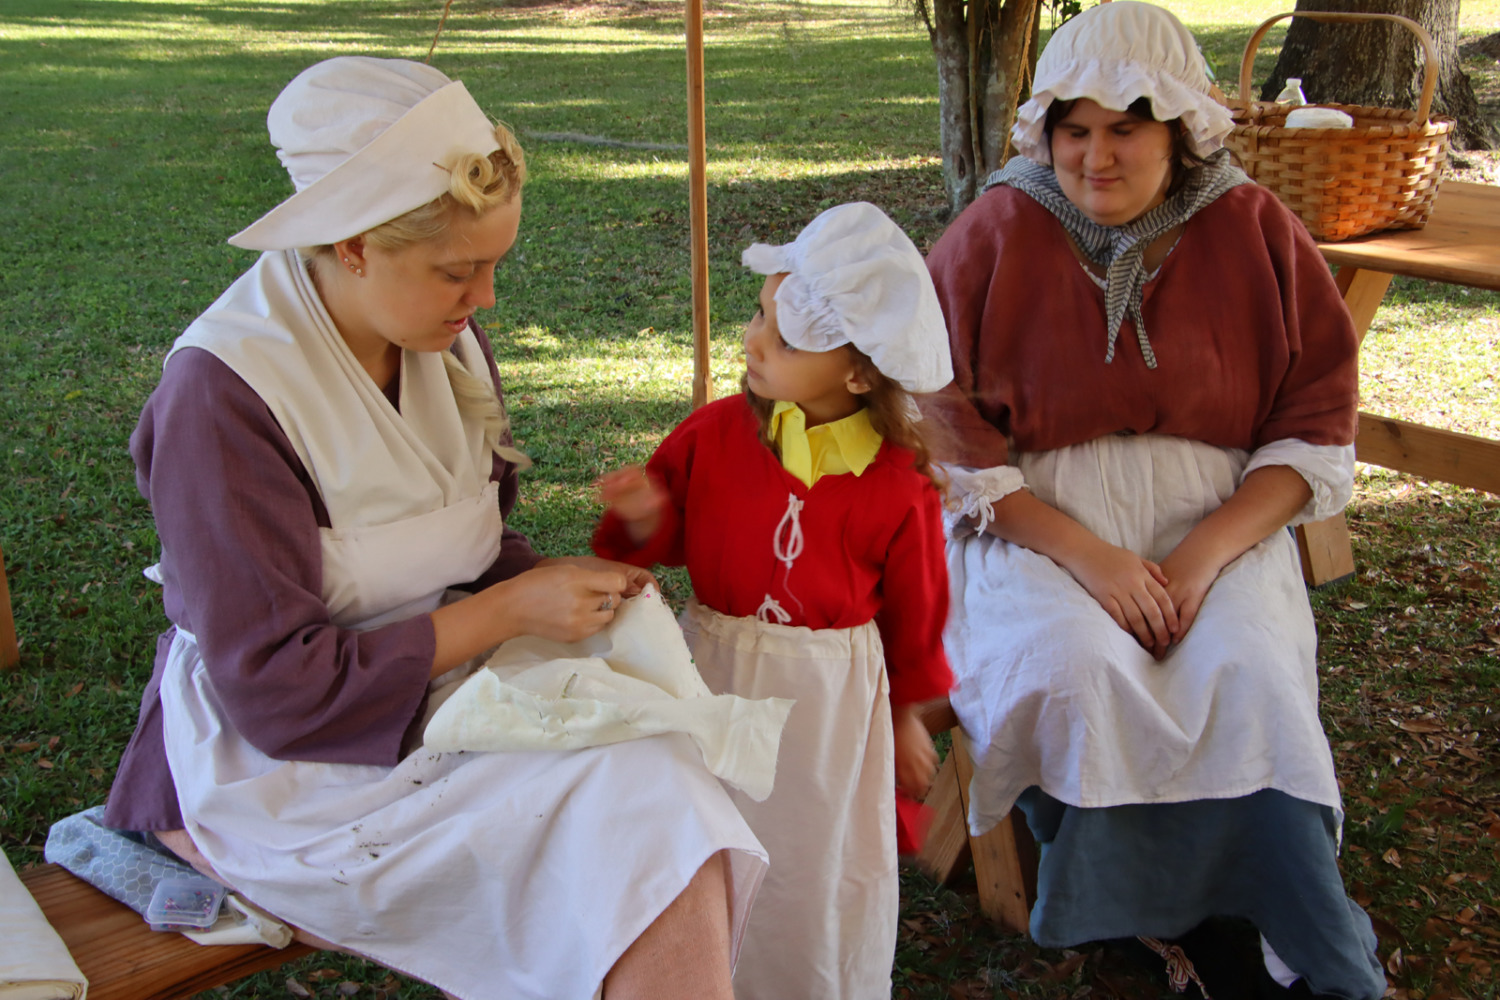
(890, 409)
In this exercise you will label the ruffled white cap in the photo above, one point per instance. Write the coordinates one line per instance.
(1114, 54)
(853, 277)
(365, 140)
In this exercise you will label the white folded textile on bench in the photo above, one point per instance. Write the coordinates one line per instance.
(34, 962)
(635, 678)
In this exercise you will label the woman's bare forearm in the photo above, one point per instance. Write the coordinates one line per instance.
(1021, 519)
(1265, 502)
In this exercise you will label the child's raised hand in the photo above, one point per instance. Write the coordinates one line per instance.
(916, 759)
(635, 498)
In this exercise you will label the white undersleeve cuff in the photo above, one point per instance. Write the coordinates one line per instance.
(972, 494)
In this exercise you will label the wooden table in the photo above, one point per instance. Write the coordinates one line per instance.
(1460, 245)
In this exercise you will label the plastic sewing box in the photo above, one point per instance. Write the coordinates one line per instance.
(184, 904)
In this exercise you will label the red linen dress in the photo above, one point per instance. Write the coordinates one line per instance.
(867, 598)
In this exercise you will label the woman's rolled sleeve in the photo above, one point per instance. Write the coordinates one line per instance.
(1327, 468)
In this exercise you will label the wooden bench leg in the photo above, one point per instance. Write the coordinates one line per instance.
(946, 848)
(1327, 554)
(10, 650)
(1005, 857)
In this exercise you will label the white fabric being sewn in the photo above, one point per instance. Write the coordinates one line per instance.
(634, 679)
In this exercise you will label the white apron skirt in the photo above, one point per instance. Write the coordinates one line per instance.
(824, 926)
(493, 876)
(1054, 693)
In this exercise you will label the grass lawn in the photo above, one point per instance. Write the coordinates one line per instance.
(133, 143)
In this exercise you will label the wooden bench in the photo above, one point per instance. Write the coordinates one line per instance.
(1005, 857)
(121, 956)
(124, 959)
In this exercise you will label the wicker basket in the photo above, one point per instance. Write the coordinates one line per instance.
(1381, 174)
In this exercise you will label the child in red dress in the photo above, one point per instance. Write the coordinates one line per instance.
(807, 516)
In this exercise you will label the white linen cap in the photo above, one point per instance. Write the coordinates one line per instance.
(365, 140)
(1114, 54)
(853, 277)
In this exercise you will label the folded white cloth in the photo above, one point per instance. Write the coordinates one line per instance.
(633, 679)
(34, 962)
(241, 922)
(1318, 118)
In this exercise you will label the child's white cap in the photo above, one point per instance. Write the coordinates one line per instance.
(853, 277)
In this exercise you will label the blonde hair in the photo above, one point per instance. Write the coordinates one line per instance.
(890, 408)
(476, 184)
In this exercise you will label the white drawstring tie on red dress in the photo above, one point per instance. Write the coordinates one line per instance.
(786, 554)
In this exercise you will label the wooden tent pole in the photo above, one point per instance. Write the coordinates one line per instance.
(10, 651)
(703, 389)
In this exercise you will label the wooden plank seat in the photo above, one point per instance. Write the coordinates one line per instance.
(124, 959)
(1005, 857)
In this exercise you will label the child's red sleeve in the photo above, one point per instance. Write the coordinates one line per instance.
(669, 467)
(914, 605)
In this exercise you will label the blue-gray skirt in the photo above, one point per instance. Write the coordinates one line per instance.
(1160, 870)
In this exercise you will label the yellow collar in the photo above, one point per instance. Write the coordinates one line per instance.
(831, 449)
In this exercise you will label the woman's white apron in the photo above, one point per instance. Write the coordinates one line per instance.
(515, 875)
(824, 927)
(1055, 694)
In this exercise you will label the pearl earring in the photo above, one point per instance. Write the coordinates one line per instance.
(357, 270)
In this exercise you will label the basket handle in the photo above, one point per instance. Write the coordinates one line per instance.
(1429, 79)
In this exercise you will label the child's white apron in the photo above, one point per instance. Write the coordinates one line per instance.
(515, 875)
(824, 926)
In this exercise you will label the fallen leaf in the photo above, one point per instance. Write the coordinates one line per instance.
(1392, 857)
(1421, 726)
(1062, 970)
(1394, 962)
(44, 764)
(296, 989)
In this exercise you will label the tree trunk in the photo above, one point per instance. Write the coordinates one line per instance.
(985, 52)
(1381, 64)
(950, 44)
